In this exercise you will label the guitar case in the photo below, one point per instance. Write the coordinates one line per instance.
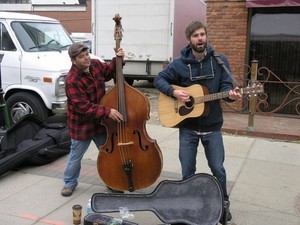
(197, 200)
(31, 141)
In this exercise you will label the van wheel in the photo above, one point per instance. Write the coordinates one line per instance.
(22, 103)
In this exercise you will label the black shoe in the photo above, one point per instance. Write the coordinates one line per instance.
(229, 217)
(226, 218)
(114, 190)
(227, 209)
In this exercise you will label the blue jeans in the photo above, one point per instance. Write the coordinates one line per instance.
(78, 148)
(214, 152)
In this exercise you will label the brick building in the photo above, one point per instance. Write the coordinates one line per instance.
(267, 31)
(227, 29)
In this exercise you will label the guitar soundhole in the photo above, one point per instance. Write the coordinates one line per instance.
(190, 104)
(187, 107)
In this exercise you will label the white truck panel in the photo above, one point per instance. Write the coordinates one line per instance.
(146, 28)
(153, 32)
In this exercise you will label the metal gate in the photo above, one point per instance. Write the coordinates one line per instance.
(280, 97)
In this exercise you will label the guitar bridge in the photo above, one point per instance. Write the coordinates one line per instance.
(176, 105)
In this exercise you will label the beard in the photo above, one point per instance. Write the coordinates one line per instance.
(198, 48)
(84, 65)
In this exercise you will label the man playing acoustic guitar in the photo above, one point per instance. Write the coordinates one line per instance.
(197, 65)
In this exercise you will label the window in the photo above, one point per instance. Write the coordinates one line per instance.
(6, 43)
(15, 1)
(40, 36)
(275, 43)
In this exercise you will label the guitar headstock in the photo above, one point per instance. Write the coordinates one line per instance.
(253, 89)
(118, 27)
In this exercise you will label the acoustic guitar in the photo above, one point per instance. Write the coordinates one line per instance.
(173, 112)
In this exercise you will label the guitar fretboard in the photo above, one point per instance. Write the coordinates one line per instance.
(211, 97)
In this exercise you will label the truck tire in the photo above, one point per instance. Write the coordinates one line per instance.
(23, 103)
(151, 80)
(129, 81)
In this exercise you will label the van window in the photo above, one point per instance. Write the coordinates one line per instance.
(6, 43)
(40, 36)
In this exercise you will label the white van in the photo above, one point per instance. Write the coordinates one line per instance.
(34, 65)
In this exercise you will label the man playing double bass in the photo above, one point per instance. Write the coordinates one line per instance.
(85, 87)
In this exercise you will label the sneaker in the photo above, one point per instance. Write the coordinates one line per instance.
(66, 192)
(114, 190)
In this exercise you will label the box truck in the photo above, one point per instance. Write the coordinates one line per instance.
(153, 32)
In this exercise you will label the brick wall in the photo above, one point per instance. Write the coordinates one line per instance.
(227, 30)
(73, 21)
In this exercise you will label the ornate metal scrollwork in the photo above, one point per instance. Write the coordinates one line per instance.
(289, 95)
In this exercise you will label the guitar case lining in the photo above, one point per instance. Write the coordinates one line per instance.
(99, 219)
(195, 200)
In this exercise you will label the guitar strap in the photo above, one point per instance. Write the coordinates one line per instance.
(220, 62)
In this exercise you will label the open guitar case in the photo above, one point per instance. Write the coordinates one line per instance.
(197, 200)
(31, 141)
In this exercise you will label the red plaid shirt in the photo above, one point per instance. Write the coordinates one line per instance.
(84, 92)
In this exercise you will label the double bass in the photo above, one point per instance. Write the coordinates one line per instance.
(129, 159)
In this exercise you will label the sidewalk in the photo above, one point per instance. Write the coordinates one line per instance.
(273, 127)
(263, 181)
